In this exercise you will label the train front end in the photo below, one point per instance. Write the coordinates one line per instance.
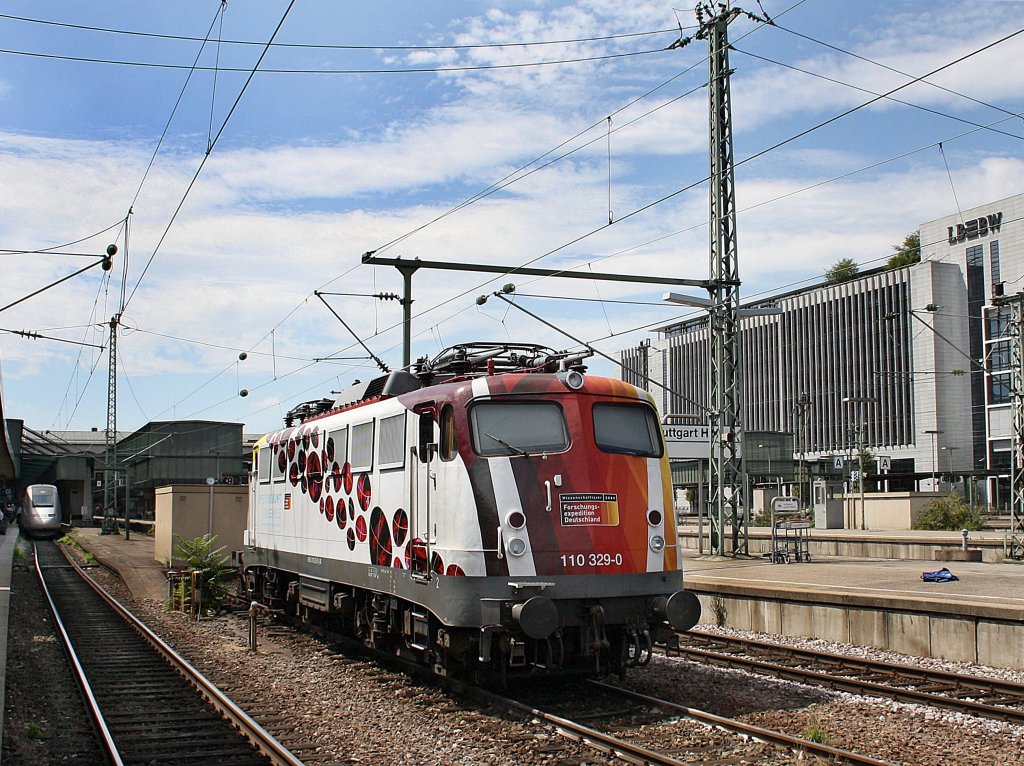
(577, 566)
(40, 511)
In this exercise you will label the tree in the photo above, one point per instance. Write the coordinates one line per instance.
(907, 253)
(842, 270)
(867, 462)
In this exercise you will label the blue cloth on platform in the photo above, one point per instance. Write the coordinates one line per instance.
(939, 575)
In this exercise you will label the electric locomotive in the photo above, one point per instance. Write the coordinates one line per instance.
(497, 511)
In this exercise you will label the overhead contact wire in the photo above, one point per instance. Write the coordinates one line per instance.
(213, 143)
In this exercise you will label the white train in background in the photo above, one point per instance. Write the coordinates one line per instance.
(40, 511)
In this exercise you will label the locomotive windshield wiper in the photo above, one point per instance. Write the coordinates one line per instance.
(503, 443)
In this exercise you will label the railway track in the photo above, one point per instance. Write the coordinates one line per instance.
(147, 703)
(642, 732)
(974, 695)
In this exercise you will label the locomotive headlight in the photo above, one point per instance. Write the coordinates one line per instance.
(572, 379)
(516, 546)
(657, 543)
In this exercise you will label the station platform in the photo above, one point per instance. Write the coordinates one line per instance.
(133, 560)
(872, 601)
(8, 543)
(989, 545)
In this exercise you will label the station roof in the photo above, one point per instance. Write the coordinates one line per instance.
(8, 468)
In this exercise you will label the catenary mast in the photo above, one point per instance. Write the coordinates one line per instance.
(728, 476)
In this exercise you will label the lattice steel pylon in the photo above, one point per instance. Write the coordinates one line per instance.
(110, 458)
(110, 469)
(728, 474)
(1015, 535)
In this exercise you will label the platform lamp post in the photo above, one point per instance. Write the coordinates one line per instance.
(861, 428)
(767, 447)
(210, 480)
(935, 453)
(950, 450)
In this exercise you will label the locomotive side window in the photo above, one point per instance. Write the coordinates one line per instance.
(519, 428)
(362, 446)
(337, 446)
(278, 460)
(391, 450)
(449, 437)
(263, 461)
(627, 429)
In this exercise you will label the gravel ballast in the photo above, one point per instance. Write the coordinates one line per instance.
(336, 709)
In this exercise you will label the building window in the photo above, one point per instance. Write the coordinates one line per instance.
(999, 389)
(993, 262)
(999, 357)
(975, 255)
(998, 323)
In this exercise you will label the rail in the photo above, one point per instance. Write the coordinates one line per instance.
(975, 695)
(264, 743)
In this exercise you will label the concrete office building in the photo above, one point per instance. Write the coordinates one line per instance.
(910, 362)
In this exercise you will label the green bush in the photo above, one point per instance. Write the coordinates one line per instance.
(763, 518)
(950, 513)
(200, 556)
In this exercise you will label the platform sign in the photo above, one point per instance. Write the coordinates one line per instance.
(785, 504)
(687, 441)
(837, 462)
(884, 463)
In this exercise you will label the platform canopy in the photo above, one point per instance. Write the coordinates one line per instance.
(8, 468)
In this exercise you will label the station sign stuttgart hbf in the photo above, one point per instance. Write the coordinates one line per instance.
(688, 441)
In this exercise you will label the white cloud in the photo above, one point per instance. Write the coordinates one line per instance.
(265, 225)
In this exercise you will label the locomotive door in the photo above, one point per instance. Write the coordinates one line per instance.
(423, 486)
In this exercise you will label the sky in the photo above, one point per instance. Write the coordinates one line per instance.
(244, 157)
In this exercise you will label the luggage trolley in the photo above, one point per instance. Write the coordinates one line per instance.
(791, 530)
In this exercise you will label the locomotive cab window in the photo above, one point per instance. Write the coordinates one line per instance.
(627, 429)
(43, 497)
(518, 428)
